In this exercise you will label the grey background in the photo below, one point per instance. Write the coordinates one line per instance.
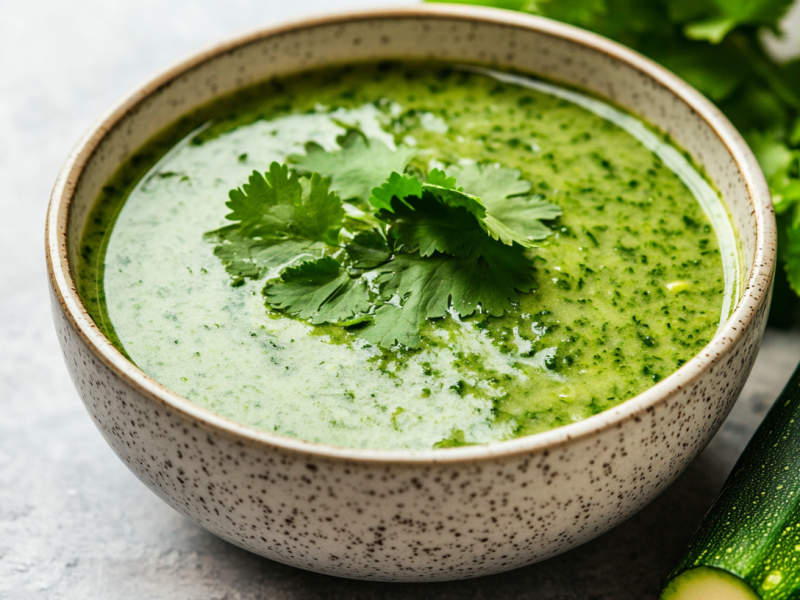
(74, 523)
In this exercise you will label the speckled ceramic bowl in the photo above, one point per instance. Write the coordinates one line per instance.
(436, 514)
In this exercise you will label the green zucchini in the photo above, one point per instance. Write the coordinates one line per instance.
(748, 545)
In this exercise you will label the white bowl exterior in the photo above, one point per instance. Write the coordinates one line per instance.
(430, 515)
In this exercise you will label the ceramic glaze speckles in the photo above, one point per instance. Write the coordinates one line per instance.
(427, 515)
(394, 521)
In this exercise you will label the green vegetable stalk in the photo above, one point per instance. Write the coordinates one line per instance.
(716, 46)
(748, 545)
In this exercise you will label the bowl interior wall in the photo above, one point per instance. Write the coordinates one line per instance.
(445, 38)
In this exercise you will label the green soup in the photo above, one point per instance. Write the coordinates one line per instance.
(634, 279)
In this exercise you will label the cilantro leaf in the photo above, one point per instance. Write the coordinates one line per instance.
(508, 235)
(429, 225)
(439, 178)
(368, 250)
(281, 218)
(491, 183)
(318, 212)
(712, 20)
(393, 325)
(456, 198)
(321, 290)
(507, 217)
(428, 286)
(245, 257)
(356, 220)
(712, 30)
(491, 279)
(526, 214)
(429, 220)
(397, 186)
(360, 165)
(281, 204)
(253, 203)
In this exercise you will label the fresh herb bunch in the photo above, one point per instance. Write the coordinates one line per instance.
(405, 248)
(716, 46)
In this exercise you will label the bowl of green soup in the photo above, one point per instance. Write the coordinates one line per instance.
(410, 295)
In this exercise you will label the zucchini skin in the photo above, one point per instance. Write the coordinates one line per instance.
(753, 528)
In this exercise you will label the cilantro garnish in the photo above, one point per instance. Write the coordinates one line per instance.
(249, 258)
(429, 249)
(397, 186)
(495, 184)
(368, 250)
(359, 166)
(322, 291)
(492, 183)
(280, 217)
(717, 46)
(280, 204)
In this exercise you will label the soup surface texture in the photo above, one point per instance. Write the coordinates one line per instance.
(632, 279)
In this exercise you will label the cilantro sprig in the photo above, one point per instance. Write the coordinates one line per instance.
(717, 46)
(359, 166)
(280, 217)
(428, 248)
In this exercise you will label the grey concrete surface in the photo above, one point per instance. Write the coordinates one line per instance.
(74, 523)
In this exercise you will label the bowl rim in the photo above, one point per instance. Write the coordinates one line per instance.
(755, 290)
